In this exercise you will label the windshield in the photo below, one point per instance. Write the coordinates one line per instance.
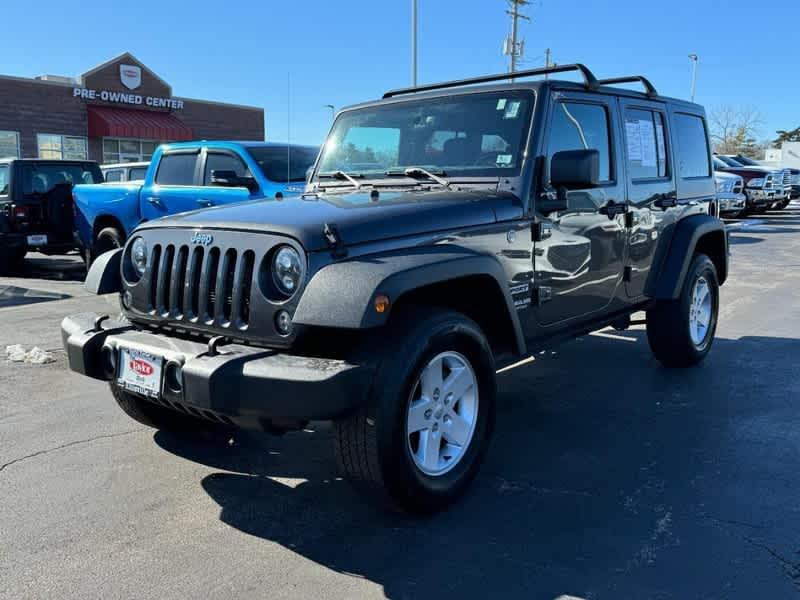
(468, 135)
(729, 161)
(273, 161)
(743, 160)
(42, 178)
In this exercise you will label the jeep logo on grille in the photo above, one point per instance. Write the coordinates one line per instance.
(203, 239)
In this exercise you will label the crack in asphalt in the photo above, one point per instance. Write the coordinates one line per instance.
(69, 444)
(792, 569)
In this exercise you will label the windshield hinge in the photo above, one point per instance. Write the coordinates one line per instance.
(334, 240)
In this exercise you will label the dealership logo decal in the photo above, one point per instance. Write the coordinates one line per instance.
(130, 76)
(141, 367)
(203, 239)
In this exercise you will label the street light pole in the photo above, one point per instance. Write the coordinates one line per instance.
(414, 43)
(694, 58)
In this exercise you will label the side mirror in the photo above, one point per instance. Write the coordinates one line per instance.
(569, 170)
(226, 178)
(575, 169)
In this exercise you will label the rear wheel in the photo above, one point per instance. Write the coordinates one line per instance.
(11, 260)
(681, 331)
(153, 415)
(420, 439)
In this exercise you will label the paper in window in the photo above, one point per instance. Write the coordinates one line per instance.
(634, 139)
(648, 143)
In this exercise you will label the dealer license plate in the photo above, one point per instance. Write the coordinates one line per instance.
(140, 372)
(37, 240)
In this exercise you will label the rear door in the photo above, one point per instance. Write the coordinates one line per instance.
(579, 265)
(650, 182)
(174, 185)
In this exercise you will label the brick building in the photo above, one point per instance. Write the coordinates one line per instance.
(117, 112)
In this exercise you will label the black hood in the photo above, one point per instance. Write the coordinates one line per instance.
(357, 217)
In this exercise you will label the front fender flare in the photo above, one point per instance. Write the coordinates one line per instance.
(342, 294)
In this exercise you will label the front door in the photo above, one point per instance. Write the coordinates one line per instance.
(579, 266)
(223, 160)
(651, 186)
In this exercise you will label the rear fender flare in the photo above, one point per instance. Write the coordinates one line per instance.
(688, 234)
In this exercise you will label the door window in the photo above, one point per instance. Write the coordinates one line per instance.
(113, 175)
(646, 146)
(176, 169)
(216, 161)
(137, 173)
(3, 180)
(578, 126)
(692, 146)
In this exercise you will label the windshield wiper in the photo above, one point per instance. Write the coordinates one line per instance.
(342, 175)
(419, 172)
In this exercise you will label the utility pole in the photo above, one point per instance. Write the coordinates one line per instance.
(694, 58)
(546, 60)
(512, 47)
(414, 43)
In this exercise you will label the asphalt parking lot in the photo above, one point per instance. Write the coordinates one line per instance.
(609, 476)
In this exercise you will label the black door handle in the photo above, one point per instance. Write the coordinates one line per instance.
(612, 209)
(665, 201)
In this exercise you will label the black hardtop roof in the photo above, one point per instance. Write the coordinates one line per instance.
(486, 83)
(58, 161)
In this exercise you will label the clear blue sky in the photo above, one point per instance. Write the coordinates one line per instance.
(346, 51)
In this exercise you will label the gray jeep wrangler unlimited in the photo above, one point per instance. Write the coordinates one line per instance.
(445, 230)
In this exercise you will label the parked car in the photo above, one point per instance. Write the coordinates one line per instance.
(769, 187)
(759, 184)
(730, 194)
(793, 181)
(492, 222)
(187, 176)
(131, 171)
(36, 211)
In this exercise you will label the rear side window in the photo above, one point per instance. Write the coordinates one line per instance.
(216, 161)
(176, 169)
(137, 173)
(645, 143)
(578, 126)
(114, 175)
(3, 180)
(692, 146)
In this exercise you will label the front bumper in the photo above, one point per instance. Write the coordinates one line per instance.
(253, 388)
(759, 198)
(730, 203)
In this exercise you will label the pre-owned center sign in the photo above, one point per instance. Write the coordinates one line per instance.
(126, 98)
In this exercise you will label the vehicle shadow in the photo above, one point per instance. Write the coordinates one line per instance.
(741, 239)
(591, 481)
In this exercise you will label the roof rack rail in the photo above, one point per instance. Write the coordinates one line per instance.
(588, 77)
(649, 89)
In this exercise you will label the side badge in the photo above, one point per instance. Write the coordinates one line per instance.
(511, 236)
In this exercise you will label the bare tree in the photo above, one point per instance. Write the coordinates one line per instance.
(735, 130)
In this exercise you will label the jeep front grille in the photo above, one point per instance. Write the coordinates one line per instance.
(206, 286)
(787, 178)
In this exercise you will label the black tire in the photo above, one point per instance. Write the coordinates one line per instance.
(108, 238)
(668, 321)
(372, 447)
(151, 414)
(11, 260)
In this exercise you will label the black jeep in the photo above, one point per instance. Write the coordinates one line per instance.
(445, 231)
(36, 208)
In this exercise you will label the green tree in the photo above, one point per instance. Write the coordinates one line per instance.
(792, 135)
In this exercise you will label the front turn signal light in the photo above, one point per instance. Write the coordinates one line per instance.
(381, 303)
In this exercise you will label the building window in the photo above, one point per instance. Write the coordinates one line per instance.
(9, 144)
(61, 146)
(116, 150)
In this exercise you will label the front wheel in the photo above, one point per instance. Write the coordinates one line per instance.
(108, 238)
(681, 331)
(420, 440)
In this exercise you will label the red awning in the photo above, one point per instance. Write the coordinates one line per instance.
(105, 121)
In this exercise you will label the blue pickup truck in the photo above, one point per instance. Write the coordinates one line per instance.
(187, 176)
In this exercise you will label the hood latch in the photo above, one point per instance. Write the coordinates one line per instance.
(334, 240)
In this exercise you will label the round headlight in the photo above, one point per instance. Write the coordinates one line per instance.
(287, 270)
(139, 255)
